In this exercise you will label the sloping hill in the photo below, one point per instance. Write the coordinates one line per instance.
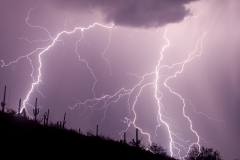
(26, 139)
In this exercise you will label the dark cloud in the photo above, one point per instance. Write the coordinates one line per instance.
(210, 82)
(134, 13)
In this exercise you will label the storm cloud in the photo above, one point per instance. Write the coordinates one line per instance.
(133, 13)
(209, 83)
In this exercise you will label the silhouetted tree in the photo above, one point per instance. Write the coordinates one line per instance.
(89, 133)
(157, 149)
(136, 144)
(204, 154)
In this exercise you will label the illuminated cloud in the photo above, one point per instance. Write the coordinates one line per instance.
(133, 13)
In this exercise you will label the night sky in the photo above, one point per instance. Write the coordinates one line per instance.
(161, 66)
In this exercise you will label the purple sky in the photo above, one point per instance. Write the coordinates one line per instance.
(80, 71)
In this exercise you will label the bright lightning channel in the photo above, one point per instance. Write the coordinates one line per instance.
(135, 91)
(38, 80)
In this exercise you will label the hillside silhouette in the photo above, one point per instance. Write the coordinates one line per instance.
(28, 139)
(37, 138)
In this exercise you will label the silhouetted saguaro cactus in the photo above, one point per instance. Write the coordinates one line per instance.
(19, 108)
(45, 118)
(97, 131)
(3, 103)
(124, 136)
(24, 113)
(35, 111)
(136, 134)
(64, 122)
(137, 142)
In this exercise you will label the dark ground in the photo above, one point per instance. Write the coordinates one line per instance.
(26, 139)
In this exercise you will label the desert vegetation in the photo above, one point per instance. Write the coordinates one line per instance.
(36, 138)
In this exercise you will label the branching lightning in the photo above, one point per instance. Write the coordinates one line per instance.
(177, 145)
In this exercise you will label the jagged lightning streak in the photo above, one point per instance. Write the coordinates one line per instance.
(157, 92)
(105, 50)
(182, 65)
(38, 80)
(159, 95)
(132, 93)
(204, 114)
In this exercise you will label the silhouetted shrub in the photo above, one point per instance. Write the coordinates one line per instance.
(204, 154)
(157, 149)
(137, 144)
(89, 133)
(11, 111)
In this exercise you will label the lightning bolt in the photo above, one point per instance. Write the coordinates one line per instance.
(38, 80)
(148, 80)
(191, 56)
